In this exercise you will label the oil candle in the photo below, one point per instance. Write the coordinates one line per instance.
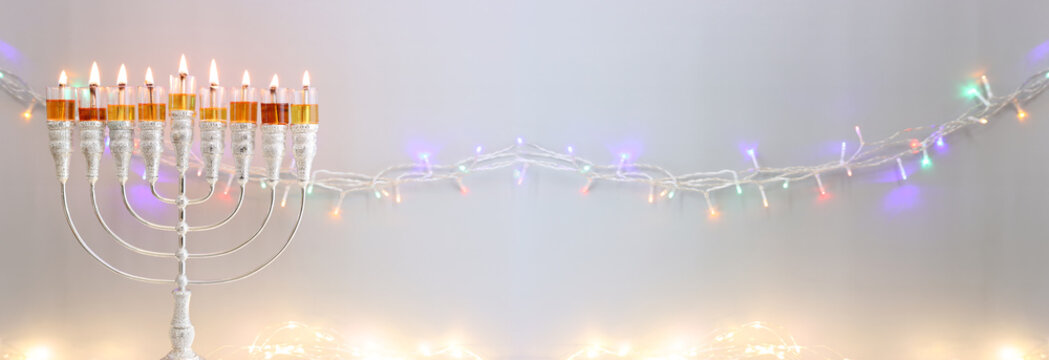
(213, 106)
(304, 108)
(61, 100)
(121, 99)
(151, 100)
(275, 104)
(244, 106)
(92, 103)
(181, 87)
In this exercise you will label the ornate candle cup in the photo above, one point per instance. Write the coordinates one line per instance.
(213, 118)
(92, 109)
(274, 129)
(304, 127)
(243, 117)
(121, 123)
(182, 103)
(61, 112)
(152, 111)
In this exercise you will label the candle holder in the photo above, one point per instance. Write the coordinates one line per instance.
(121, 119)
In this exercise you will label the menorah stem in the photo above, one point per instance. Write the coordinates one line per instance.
(182, 331)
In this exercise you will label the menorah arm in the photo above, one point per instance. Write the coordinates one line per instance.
(273, 200)
(205, 198)
(240, 201)
(127, 204)
(153, 188)
(201, 200)
(80, 240)
(298, 221)
(98, 214)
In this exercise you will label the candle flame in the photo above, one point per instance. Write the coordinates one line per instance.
(246, 79)
(93, 79)
(122, 76)
(306, 79)
(213, 74)
(182, 69)
(274, 83)
(149, 76)
(63, 79)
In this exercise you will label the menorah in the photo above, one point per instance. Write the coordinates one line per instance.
(64, 104)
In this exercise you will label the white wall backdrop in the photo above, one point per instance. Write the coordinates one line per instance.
(949, 265)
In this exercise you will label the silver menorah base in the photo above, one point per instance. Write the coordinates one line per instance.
(60, 134)
(182, 332)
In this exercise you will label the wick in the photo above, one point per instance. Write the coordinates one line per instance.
(149, 87)
(94, 100)
(182, 82)
(211, 91)
(120, 93)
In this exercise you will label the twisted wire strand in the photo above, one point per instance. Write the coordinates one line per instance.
(900, 145)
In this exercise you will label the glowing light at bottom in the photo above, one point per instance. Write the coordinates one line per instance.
(295, 340)
(754, 341)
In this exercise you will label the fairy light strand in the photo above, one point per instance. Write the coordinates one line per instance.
(296, 340)
(750, 341)
(523, 155)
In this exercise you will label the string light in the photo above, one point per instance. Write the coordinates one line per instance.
(986, 86)
(295, 340)
(751, 341)
(1021, 115)
(819, 183)
(284, 198)
(462, 187)
(519, 174)
(841, 160)
(903, 172)
(338, 205)
(710, 205)
(586, 188)
(28, 113)
(523, 155)
(229, 183)
(761, 188)
(976, 93)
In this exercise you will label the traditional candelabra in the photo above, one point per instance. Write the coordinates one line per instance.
(279, 109)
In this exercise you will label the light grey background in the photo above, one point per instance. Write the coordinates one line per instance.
(949, 265)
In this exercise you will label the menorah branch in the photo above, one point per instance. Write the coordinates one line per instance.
(294, 230)
(266, 221)
(129, 246)
(80, 240)
(236, 209)
(127, 204)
